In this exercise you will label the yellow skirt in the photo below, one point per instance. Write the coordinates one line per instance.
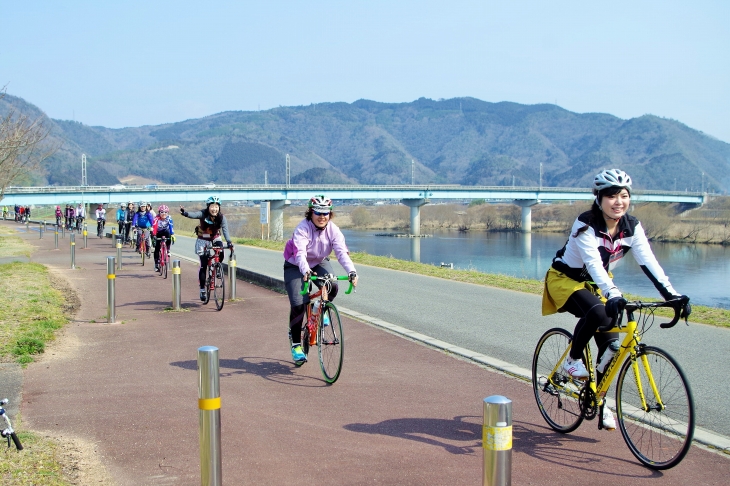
(559, 287)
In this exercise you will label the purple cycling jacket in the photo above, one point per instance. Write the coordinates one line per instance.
(309, 246)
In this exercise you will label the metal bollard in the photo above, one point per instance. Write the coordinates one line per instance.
(73, 251)
(232, 276)
(56, 237)
(176, 299)
(40, 231)
(111, 302)
(497, 441)
(114, 236)
(209, 403)
(86, 236)
(119, 254)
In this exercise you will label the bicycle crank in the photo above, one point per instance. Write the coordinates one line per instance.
(588, 402)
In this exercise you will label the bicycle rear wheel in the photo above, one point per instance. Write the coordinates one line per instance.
(556, 393)
(660, 436)
(143, 250)
(330, 345)
(219, 286)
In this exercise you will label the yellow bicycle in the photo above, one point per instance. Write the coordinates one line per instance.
(654, 404)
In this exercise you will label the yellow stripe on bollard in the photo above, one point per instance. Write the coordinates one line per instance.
(209, 403)
(497, 438)
(176, 271)
(232, 263)
(111, 276)
(73, 243)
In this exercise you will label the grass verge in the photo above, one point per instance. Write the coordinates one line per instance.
(11, 246)
(36, 464)
(702, 314)
(31, 310)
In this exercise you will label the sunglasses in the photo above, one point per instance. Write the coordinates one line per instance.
(317, 213)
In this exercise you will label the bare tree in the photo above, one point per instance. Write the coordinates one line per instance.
(21, 145)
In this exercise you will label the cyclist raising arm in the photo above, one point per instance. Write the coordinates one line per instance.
(212, 224)
(580, 279)
(307, 253)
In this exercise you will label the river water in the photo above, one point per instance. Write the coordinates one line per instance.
(700, 271)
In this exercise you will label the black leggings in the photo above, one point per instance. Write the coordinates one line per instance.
(203, 272)
(592, 314)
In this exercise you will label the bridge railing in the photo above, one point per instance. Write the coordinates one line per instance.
(310, 187)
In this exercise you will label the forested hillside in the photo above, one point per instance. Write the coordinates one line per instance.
(458, 141)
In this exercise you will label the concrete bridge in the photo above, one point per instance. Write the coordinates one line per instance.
(280, 196)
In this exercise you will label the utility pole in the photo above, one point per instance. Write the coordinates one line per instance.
(413, 172)
(84, 182)
(288, 170)
(266, 177)
(541, 176)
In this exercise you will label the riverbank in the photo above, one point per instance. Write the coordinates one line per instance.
(700, 314)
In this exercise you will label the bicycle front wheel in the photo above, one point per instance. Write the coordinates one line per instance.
(330, 344)
(660, 433)
(556, 392)
(165, 262)
(219, 286)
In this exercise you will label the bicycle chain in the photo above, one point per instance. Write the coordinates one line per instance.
(587, 402)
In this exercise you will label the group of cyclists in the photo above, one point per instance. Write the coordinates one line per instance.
(21, 213)
(579, 281)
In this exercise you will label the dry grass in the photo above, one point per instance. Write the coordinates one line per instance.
(11, 246)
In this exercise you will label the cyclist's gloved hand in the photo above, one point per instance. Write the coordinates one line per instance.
(182, 210)
(353, 278)
(686, 308)
(306, 276)
(172, 239)
(614, 306)
(230, 246)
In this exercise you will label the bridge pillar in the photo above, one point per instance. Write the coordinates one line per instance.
(277, 218)
(526, 205)
(415, 205)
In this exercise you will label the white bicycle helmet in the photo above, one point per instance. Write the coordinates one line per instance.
(320, 203)
(611, 178)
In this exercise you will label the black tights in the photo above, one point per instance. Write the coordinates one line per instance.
(592, 314)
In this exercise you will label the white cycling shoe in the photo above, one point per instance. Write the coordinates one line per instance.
(575, 368)
(609, 423)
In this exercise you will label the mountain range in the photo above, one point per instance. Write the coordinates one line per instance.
(457, 141)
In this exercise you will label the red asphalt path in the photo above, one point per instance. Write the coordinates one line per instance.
(400, 414)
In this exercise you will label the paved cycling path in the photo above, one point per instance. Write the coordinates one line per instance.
(506, 325)
(401, 413)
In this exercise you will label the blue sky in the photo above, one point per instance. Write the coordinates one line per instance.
(133, 63)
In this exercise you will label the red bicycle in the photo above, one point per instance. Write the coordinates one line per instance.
(164, 262)
(214, 281)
